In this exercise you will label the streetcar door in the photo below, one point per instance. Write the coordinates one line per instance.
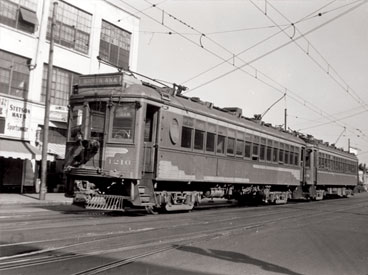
(150, 136)
(302, 164)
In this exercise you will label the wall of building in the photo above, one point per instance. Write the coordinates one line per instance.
(23, 123)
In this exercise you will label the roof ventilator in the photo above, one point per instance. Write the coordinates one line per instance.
(234, 110)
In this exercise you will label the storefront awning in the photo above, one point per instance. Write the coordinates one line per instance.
(19, 150)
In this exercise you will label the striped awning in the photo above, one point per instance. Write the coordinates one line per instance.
(19, 150)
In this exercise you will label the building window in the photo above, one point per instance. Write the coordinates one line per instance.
(62, 85)
(114, 45)
(73, 27)
(14, 75)
(19, 14)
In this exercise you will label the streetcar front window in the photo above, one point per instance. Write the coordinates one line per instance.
(123, 120)
(76, 121)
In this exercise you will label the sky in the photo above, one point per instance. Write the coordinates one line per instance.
(307, 56)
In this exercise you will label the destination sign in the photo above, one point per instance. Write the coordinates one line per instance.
(100, 80)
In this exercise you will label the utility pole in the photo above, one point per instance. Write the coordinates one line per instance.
(45, 141)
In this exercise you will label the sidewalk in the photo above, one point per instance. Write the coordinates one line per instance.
(33, 199)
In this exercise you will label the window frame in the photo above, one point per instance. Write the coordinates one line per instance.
(111, 124)
(255, 145)
(72, 18)
(269, 150)
(107, 46)
(262, 149)
(196, 130)
(14, 65)
(230, 145)
(214, 143)
(19, 22)
(58, 74)
(281, 153)
(222, 152)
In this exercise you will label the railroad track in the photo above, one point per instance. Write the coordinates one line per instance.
(157, 247)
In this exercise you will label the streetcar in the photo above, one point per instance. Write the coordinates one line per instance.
(135, 144)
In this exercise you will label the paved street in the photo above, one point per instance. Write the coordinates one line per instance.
(325, 237)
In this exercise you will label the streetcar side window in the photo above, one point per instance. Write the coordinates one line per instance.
(275, 155)
(262, 149)
(210, 138)
(239, 147)
(255, 151)
(220, 144)
(281, 153)
(296, 156)
(291, 159)
(286, 158)
(230, 145)
(186, 137)
(248, 146)
(210, 142)
(198, 139)
(269, 150)
(122, 126)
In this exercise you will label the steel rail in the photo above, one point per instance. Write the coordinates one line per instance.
(169, 244)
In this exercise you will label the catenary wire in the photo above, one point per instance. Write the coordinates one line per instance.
(275, 49)
(357, 98)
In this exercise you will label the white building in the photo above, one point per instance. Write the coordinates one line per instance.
(90, 37)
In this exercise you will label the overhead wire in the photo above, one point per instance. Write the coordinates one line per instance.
(357, 98)
(346, 86)
(212, 33)
(302, 101)
(339, 119)
(141, 11)
(276, 48)
(283, 45)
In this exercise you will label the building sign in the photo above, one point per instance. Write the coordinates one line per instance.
(58, 113)
(3, 109)
(100, 80)
(15, 118)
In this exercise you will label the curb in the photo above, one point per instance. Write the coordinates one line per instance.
(40, 203)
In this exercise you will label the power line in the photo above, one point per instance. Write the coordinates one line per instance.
(345, 87)
(303, 102)
(212, 33)
(356, 97)
(277, 48)
(339, 119)
(141, 11)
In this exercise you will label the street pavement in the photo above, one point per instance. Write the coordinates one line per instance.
(326, 237)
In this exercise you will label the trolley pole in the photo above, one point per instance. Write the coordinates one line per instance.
(45, 136)
(285, 119)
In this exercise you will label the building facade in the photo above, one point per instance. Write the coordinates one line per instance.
(94, 36)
